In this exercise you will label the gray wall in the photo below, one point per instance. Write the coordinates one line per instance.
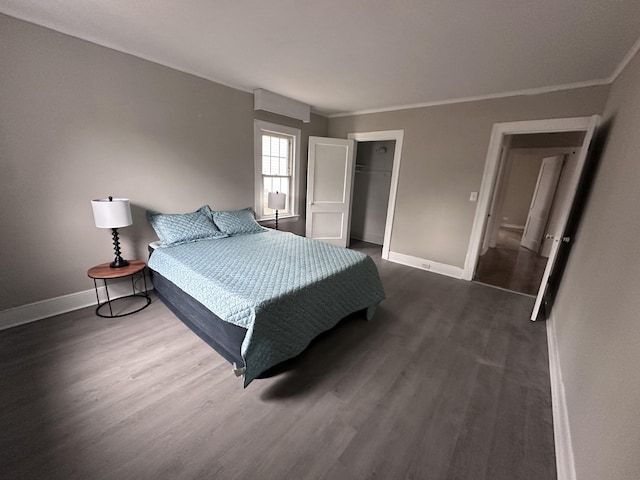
(597, 312)
(443, 158)
(79, 121)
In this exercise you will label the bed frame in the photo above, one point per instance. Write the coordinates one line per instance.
(224, 337)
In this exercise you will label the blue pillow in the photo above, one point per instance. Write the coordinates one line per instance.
(176, 228)
(238, 221)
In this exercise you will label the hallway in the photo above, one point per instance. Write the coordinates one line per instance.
(510, 265)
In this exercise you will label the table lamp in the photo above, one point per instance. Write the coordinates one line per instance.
(113, 213)
(276, 201)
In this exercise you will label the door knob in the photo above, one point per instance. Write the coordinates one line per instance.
(566, 239)
(548, 236)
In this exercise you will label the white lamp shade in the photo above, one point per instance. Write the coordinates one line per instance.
(114, 213)
(276, 201)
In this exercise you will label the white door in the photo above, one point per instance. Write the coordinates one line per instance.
(329, 189)
(541, 202)
(563, 216)
(570, 160)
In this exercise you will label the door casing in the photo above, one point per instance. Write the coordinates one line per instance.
(398, 136)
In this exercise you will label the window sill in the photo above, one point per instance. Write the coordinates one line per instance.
(280, 218)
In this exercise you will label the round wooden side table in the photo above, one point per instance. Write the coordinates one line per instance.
(135, 270)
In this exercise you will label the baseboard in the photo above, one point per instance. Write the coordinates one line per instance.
(58, 305)
(424, 264)
(510, 225)
(561, 431)
(367, 237)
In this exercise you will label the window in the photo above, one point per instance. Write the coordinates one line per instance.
(277, 159)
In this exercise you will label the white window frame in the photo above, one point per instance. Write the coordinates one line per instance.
(260, 127)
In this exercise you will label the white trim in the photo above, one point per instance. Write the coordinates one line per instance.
(398, 137)
(258, 127)
(625, 61)
(424, 264)
(63, 304)
(484, 201)
(565, 463)
(478, 98)
(499, 131)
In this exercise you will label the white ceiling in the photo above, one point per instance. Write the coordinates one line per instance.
(344, 56)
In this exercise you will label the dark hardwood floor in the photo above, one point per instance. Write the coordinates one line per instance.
(511, 266)
(449, 381)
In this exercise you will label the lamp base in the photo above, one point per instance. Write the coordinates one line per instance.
(119, 262)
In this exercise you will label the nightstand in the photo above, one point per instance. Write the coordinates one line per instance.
(135, 270)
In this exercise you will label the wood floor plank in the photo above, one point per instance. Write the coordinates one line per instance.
(449, 381)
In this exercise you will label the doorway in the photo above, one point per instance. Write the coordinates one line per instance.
(515, 247)
(371, 187)
(491, 177)
(386, 138)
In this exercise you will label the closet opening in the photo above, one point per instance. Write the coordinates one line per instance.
(371, 190)
(372, 215)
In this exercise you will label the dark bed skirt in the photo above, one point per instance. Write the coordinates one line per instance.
(224, 337)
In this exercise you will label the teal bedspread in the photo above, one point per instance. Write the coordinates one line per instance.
(284, 289)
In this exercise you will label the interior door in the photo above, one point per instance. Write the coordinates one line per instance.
(570, 160)
(563, 215)
(329, 189)
(541, 202)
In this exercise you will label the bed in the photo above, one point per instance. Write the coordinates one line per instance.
(260, 297)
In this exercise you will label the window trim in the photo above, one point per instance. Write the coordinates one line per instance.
(260, 126)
